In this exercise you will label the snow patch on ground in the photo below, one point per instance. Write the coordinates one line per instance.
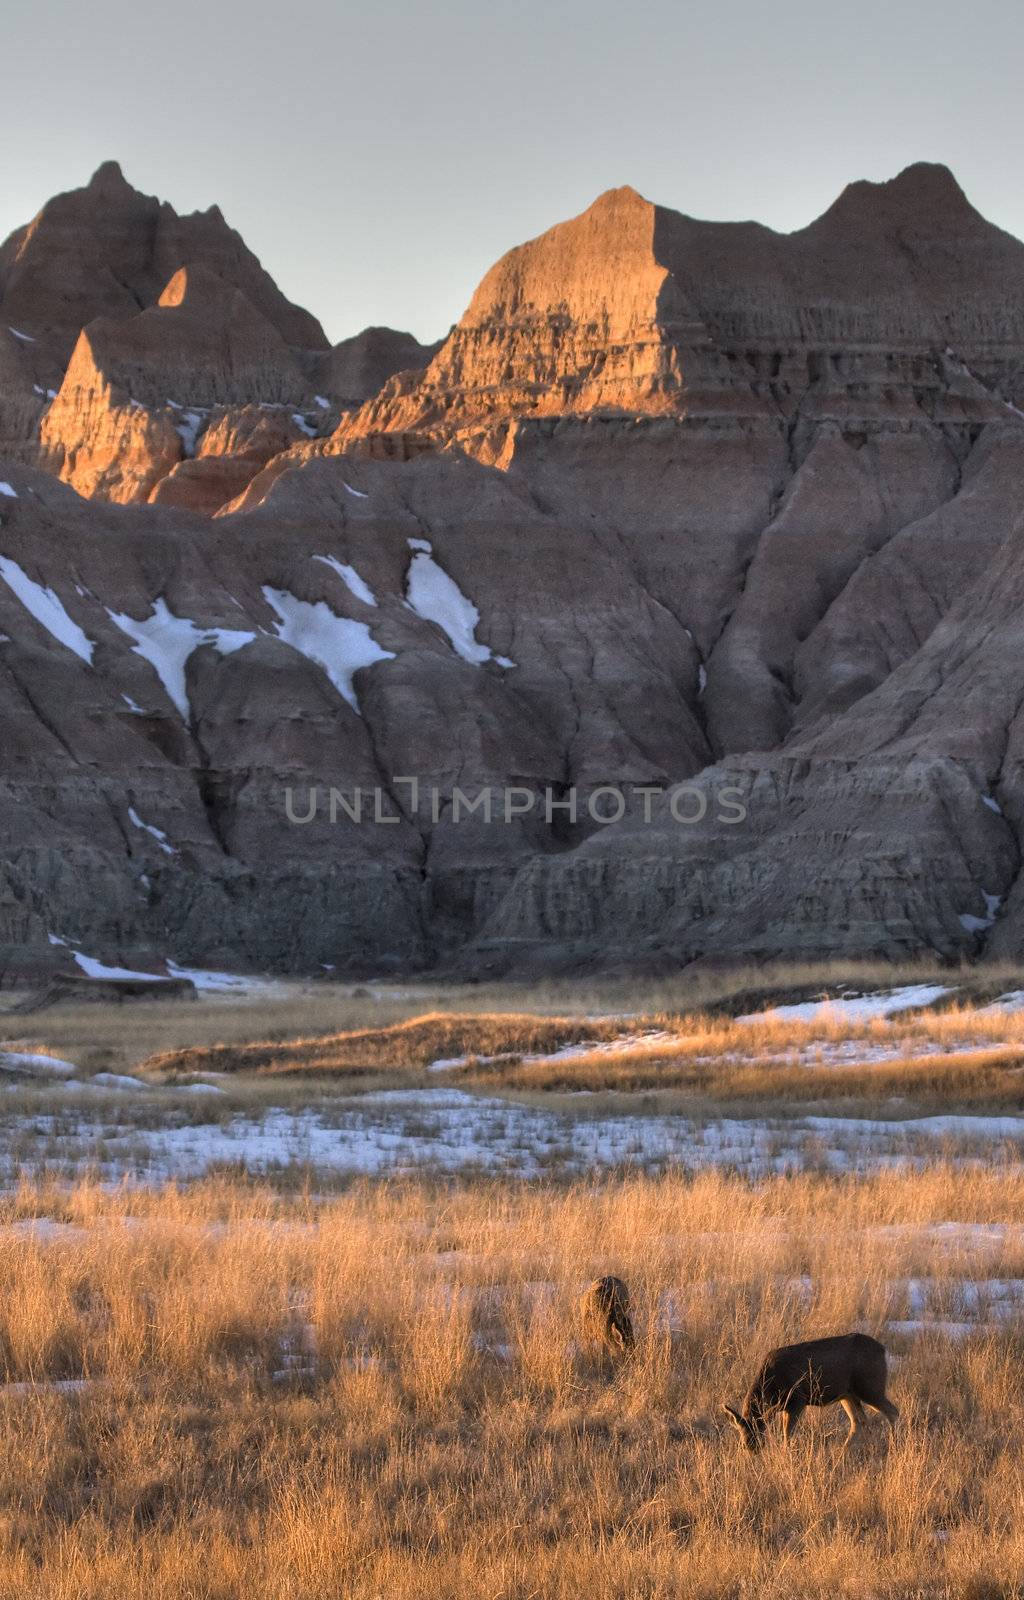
(9, 490)
(167, 641)
(1013, 1001)
(98, 969)
(350, 578)
(338, 645)
(302, 425)
(47, 609)
(655, 1041)
(35, 1066)
(859, 1008)
(220, 982)
(951, 1126)
(358, 493)
(26, 338)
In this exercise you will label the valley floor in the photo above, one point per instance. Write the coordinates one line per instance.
(291, 1287)
(226, 1390)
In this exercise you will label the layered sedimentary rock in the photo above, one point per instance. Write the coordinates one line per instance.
(676, 503)
(116, 313)
(230, 450)
(895, 829)
(116, 429)
(108, 251)
(634, 309)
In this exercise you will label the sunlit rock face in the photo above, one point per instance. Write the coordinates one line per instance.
(674, 502)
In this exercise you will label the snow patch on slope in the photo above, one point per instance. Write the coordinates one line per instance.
(338, 645)
(437, 598)
(167, 642)
(350, 578)
(188, 428)
(157, 833)
(36, 1066)
(219, 982)
(972, 924)
(47, 609)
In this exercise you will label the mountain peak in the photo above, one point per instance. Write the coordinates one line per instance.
(195, 281)
(108, 175)
(617, 201)
(925, 190)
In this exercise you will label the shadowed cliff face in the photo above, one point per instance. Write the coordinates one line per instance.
(674, 502)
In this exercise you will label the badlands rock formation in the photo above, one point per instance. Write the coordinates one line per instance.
(130, 332)
(676, 503)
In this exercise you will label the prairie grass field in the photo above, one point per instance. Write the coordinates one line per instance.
(292, 1282)
(223, 1390)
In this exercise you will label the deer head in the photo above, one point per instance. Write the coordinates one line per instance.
(750, 1434)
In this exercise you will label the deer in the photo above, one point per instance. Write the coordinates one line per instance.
(604, 1313)
(848, 1367)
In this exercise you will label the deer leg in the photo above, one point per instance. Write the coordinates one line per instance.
(790, 1417)
(855, 1411)
(884, 1408)
(889, 1412)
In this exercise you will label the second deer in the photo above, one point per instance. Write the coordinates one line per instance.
(849, 1368)
(605, 1315)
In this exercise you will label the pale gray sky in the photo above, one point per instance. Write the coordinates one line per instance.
(378, 158)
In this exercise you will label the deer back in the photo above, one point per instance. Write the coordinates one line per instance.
(819, 1372)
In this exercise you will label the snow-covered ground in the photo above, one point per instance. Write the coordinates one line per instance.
(124, 1127)
(449, 1130)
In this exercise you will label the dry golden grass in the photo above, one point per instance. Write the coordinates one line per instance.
(450, 1439)
(949, 1056)
(119, 1037)
(957, 1056)
(107, 1037)
(416, 1043)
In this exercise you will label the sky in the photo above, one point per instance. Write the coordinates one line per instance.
(380, 157)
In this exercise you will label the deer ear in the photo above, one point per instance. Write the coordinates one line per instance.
(734, 1417)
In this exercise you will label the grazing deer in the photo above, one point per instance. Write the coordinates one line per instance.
(604, 1311)
(848, 1368)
